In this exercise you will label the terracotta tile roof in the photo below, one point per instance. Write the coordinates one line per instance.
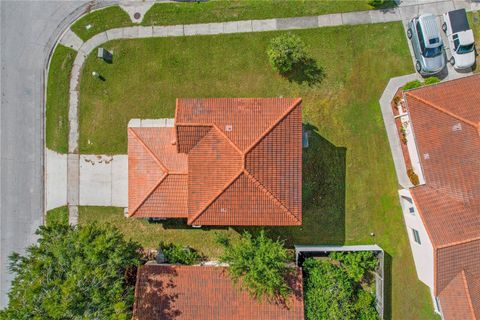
(461, 298)
(243, 158)
(446, 126)
(157, 174)
(167, 292)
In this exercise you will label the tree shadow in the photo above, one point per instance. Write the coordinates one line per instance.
(306, 72)
(323, 196)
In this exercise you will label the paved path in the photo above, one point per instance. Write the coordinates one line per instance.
(390, 127)
(28, 31)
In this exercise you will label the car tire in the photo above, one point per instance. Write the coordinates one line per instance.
(444, 27)
(409, 33)
(418, 66)
(452, 61)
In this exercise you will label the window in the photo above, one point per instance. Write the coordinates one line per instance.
(412, 210)
(416, 236)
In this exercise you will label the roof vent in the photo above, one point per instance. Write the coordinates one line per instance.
(223, 210)
(457, 127)
(228, 128)
(426, 156)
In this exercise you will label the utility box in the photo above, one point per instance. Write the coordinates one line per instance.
(105, 55)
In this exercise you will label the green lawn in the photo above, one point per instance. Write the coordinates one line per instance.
(474, 22)
(216, 10)
(349, 179)
(101, 20)
(56, 130)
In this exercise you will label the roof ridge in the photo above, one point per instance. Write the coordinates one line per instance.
(469, 297)
(438, 108)
(228, 140)
(269, 129)
(149, 150)
(269, 194)
(149, 193)
(227, 185)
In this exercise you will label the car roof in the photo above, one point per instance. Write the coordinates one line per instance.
(458, 20)
(430, 30)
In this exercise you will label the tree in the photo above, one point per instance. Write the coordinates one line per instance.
(331, 294)
(286, 52)
(356, 263)
(260, 264)
(328, 292)
(74, 273)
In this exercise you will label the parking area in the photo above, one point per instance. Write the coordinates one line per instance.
(449, 72)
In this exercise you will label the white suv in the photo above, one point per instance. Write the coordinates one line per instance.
(460, 39)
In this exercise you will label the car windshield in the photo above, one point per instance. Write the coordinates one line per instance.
(432, 52)
(465, 49)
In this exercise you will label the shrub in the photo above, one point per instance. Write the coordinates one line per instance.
(431, 80)
(329, 293)
(178, 254)
(376, 3)
(413, 177)
(412, 85)
(285, 52)
(356, 264)
(261, 265)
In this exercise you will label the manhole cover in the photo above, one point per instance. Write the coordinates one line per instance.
(137, 15)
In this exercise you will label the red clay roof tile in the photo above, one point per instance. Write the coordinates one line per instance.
(205, 293)
(446, 122)
(244, 157)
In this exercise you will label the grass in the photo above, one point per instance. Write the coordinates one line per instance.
(216, 10)
(57, 215)
(474, 22)
(56, 131)
(213, 11)
(101, 20)
(349, 186)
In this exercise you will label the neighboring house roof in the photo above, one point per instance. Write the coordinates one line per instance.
(446, 123)
(461, 297)
(178, 292)
(243, 163)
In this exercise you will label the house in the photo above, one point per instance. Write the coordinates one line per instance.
(206, 292)
(224, 161)
(442, 213)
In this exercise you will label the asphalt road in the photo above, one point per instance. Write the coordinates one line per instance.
(27, 29)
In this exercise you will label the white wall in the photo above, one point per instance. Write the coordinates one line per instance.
(422, 253)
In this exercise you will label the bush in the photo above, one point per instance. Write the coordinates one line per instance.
(177, 254)
(261, 265)
(329, 293)
(376, 3)
(412, 85)
(431, 80)
(356, 264)
(286, 52)
(413, 177)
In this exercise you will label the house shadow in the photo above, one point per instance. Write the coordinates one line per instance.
(181, 223)
(323, 196)
(387, 286)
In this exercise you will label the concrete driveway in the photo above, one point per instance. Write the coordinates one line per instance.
(28, 28)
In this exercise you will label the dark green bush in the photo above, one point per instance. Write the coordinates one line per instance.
(178, 254)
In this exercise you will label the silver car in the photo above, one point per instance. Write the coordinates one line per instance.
(427, 44)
